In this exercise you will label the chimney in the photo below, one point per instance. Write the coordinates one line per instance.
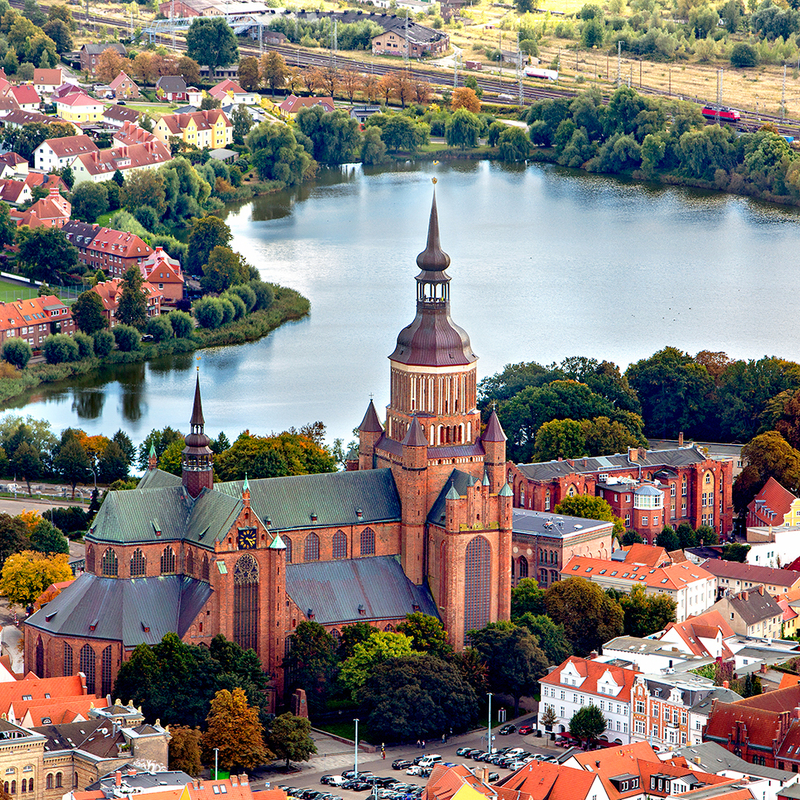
(763, 670)
(761, 589)
(745, 595)
(680, 439)
(118, 778)
(593, 654)
(633, 454)
(796, 712)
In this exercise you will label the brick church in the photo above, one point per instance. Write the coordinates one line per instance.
(423, 524)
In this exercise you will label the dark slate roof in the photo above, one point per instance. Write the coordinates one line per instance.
(556, 526)
(157, 478)
(97, 49)
(171, 83)
(494, 430)
(334, 590)
(714, 758)
(415, 437)
(458, 480)
(139, 779)
(120, 610)
(122, 113)
(547, 470)
(94, 736)
(737, 570)
(335, 498)
(719, 693)
(371, 423)
(433, 258)
(753, 606)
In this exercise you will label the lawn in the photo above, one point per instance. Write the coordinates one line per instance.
(153, 109)
(11, 290)
(344, 729)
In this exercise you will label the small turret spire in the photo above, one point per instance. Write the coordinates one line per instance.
(197, 409)
(433, 258)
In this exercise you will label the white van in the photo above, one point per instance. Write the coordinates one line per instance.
(429, 761)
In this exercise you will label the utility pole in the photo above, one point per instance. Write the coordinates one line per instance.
(519, 74)
(405, 53)
(783, 94)
(619, 63)
(172, 21)
(456, 63)
(670, 81)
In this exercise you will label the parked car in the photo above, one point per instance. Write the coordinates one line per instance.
(357, 786)
(525, 730)
(401, 763)
(473, 753)
(463, 751)
(493, 776)
(507, 729)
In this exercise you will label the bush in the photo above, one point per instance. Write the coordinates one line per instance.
(147, 216)
(246, 294)
(239, 307)
(69, 519)
(17, 352)
(127, 338)
(208, 312)
(159, 328)
(744, 55)
(181, 323)
(103, 344)
(85, 344)
(228, 310)
(60, 349)
(264, 295)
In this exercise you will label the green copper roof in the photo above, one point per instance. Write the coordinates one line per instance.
(277, 543)
(158, 479)
(246, 485)
(452, 494)
(505, 491)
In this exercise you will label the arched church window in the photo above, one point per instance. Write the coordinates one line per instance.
(245, 602)
(288, 542)
(105, 671)
(190, 562)
(368, 542)
(138, 564)
(204, 568)
(40, 658)
(168, 561)
(339, 545)
(109, 565)
(67, 660)
(88, 667)
(311, 548)
(90, 558)
(523, 567)
(477, 583)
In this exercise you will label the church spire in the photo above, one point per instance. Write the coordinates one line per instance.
(197, 410)
(433, 258)
(196, 469)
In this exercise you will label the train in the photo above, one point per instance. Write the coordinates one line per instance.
(545, 74)
(722, 113)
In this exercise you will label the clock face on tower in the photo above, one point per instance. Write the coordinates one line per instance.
(247, 538)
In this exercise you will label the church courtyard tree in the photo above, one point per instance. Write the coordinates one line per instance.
(290, 738)
(234, 729)
(26, 575)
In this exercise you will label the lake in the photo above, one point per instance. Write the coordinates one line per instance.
(546, 263)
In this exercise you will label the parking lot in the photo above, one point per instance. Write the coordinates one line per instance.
(380, 778)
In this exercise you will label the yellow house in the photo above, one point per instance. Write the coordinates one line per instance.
(201, 129)
(79, 108)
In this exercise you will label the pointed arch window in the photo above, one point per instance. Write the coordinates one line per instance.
(288, 542)
(245, 602)
(168, 561)
(105, 683)
(88, 667)
(339, 544)
(40, 658)
(90, 558)
(109, 565)
(190, 563)
(311, 548)
(523, 567)
(138, 564)
(368, 542)
(67, 660)
(204, 568)
(477, 584)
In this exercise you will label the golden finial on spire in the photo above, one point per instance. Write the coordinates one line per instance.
(434, 181)
(198, 365)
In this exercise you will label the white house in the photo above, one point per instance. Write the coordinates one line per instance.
(55, 154)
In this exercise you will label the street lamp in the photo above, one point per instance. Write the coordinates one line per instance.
(489, 733)
(216, 763)
(355, 768)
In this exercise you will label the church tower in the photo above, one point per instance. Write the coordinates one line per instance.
(196, 470)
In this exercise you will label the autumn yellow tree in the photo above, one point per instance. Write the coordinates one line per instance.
(27, 574)
(423, 91)
(369, 86)
(351, 82)
(234, 729)
(313, 79)
(109, 64)
(464, 97)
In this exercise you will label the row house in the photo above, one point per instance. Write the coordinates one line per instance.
(542, 543)
(753, 612)
(129, 133)
(35, 319)
(110, 293)
(691, 587)
(579, 682)
(164, 272)
(56, 154)
(19, 118)
(107, 249)
(201, 129)
(52, 211)
(735, 576)
(101, 165)
(79, 108)
(773, 506)
(116, 116)
(693, 487)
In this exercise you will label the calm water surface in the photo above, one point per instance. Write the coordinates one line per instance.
(545, 264)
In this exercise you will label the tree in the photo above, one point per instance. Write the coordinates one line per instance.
(766, 456)
(706, 535)
(274, 70)
(551, 637)
(417, 697)
(277, 155)
(249, 79)
(646, 614)
(668, 539)
(380, 647)
(59, 32)
(401, 133)
(184, 750)
(464, 97)
(144, 188)
(463, 129)
(587, 723)
(89, 201)
(113, 464)
(14, 536)
(212, 42)
(686, 536)
(290, 738)
(132, 309)
(242, 121)
(109, 64)
(27, 574)
(234, 730)
(46, 538)
(46, 253)
(527, 598)
(587, 506)
(631, 537)
(87, 311)
(333, 134)
(26, 463)
(735, 551)
(59, 348)
(559, 438)
(373, 150)
(427, 634)
(603, 435)
(513, 658)
(744, 55)
(311, 662)
(127, 338)
(224, 269)
(351, 635)
(17, 352)
(514, 145)
(351, 81)
(589, 616)
(72, 463)
(8, 227)
(207, 233)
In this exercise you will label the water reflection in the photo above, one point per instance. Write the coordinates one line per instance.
(88, 403)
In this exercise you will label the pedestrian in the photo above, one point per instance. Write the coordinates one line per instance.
(419, 744)
(423, 744)
(444, 738)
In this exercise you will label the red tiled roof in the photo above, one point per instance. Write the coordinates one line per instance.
(48, 77)
(119, 80)
(703, 626)
(71, 145)
(25, 94)
(130, 133)
(547, 781)
(223, 87)
(593, 672)
(24, 312)
(125, 157)
(751, 572)
(674, 576)
(292, 104)
(772, 503)
(202, 119)
(639, 553)
(78, 99)
(12, 694)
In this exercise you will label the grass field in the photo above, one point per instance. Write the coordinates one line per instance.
(11, 290)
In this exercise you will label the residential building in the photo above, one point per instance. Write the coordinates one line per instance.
(7, 105)
(79, 108)
(124, 87)
(770, 546)
(292, 104)
(107, 249)
(691, 587)
(111, 291)
(171, 88)
(700, 711)
(412, 39)
(734, 576)
(773, 505)
(26, 97)
(52, 211)
(13, 166)
(16, 119)
(694, 488)
(35, 319)
(130, 133)
(164, 272)
(579, 682)
(229, 92)
(199, 129)
(543, 781)
(116, 116)
(90, 53)
(101, 165)
(752, 612)
(19, 192)
(650, 655)
(703, 635)
(46, 81)
(55, 154)
(542, 543)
